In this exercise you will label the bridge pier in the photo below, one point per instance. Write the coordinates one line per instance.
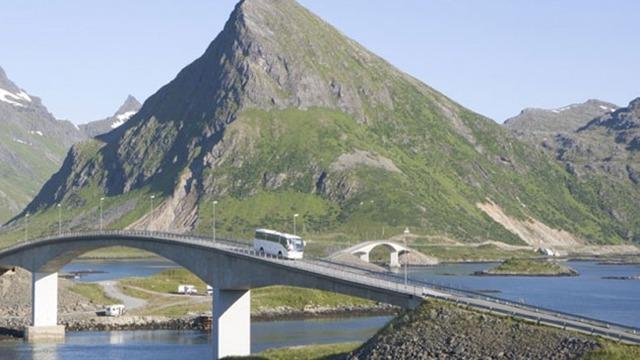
(44, 309)
(231, 323)
(394, 261)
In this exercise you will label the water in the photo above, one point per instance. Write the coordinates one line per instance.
(161, 344)
(587, 295)
(114, 270)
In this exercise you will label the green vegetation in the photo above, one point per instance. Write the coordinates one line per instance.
(94, 293)
(613, 351)
(485, 252)
(311, 352)
(261, 299)
(529, 267)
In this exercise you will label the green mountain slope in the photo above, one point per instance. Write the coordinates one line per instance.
(283, 114)
(32, 146)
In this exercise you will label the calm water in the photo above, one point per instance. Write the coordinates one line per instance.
(157, 345)
(587, 294)
(115, 270)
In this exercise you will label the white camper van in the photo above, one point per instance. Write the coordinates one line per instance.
(187, 289)
(114, 310)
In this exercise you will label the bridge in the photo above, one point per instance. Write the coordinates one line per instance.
(364, 249)
(233, 269)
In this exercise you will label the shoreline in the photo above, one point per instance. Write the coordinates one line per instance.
(201, 322)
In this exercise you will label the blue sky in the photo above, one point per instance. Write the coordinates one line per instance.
(495, 57)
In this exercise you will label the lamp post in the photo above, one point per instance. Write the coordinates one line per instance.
(59, 206)
(101, 201)
(406, 233)
(151, 203)
(294, 223)
(215, 202)
(26, 227)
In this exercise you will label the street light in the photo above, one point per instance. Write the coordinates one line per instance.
(215, 202)
(151, 201)
(26, 227)
(101, 200)
(59, 206)
(406, 261)
(294, 223)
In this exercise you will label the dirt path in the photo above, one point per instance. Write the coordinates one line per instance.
(112, 290)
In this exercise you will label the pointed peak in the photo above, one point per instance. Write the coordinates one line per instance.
(131, 104)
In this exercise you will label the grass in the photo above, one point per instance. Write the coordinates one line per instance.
(529, 267)
(613, 351)
(261, 299)
(311, 352)
(487, 252)
(94, 293)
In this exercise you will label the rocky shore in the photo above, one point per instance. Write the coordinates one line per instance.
(438, 331)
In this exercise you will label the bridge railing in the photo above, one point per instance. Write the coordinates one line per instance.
(338, 270)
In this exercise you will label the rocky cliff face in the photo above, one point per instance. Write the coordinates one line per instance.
(281, 114)
(32, 146)
(601, 150)
(125, 112)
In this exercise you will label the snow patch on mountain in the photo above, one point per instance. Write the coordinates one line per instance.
(11, 98)
(122, 118)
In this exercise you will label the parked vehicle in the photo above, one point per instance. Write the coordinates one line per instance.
(209, 290)
(278, 244)
(114, 310)
(187, 289)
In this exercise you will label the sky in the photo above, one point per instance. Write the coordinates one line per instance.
(495, 57)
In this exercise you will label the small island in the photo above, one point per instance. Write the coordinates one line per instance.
(524, 267)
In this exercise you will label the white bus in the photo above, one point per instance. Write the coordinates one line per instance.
(279, 244)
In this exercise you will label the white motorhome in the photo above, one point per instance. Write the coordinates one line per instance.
(187, 289)
(278, 244)
(114, 310)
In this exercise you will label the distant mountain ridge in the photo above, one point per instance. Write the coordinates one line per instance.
(129, 108)
(283, 114)
(603, 150)
(32, 146)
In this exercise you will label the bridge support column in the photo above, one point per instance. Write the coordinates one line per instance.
(394, 261)
(231, 323)
(44, 309)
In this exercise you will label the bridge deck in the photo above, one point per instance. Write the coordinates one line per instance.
(391, 284)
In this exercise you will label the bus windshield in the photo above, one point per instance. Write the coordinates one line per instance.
(297, 244)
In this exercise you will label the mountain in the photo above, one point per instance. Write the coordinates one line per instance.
(283, 114)
(32, 146)
(599, 147)
(565, 119)
(129, 108)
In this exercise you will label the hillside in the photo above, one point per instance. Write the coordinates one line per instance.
(601, 151)
(32, 146)
(283, 114)
(129, 108)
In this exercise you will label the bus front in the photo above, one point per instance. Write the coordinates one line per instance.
(295, 247)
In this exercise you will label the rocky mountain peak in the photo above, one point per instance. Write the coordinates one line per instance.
(559, 120)
(130, 104)
(623, 119)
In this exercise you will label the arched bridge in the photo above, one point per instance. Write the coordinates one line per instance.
(233, 269)
(364, 249)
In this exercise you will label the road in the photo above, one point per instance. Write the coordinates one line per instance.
(112, 291)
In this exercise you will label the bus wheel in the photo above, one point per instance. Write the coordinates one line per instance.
(261, 251)
(279, 254)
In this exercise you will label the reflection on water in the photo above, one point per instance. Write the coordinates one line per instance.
(176, 345)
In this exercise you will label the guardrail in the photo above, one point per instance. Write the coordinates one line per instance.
(375, 279)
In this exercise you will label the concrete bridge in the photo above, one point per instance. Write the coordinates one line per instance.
(234, 269)
(363, 250)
